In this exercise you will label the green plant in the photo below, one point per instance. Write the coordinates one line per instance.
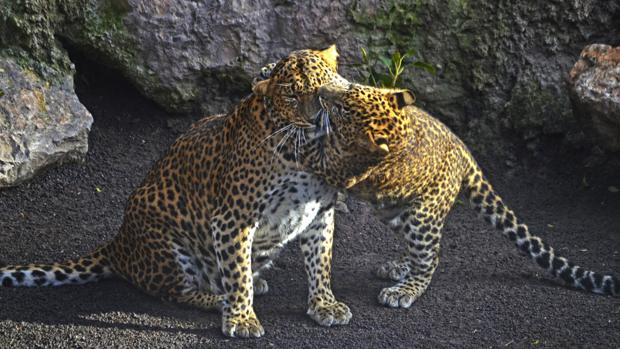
(386, 70)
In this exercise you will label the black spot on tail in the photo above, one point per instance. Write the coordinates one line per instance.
(477, 199)
(579, 272)
(598, 280)
(60, 276)
(558, 264)
(19, 276)
(567, 277)
(38, 273)
(587, 283)
(525, 246)
(608, 287)
(512, 235)
(7, 282)
(543, 259)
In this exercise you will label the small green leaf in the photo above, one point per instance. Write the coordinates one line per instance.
(364, 55)
(98, 190)
(396, 57)
(411, 52)
(384, 80)
(426, 66)
(386, 61)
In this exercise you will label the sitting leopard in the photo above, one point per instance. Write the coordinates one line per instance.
(416, 184)
(221, 204)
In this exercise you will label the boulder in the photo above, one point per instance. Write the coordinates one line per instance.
(42, 122)
(595, 87)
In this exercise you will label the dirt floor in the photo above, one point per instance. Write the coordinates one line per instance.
(484, 293)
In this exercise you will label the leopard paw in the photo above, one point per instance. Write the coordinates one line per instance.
(393, 270)
(397, 297)
(336, 313)
(242, 327)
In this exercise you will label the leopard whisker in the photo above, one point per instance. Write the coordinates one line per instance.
(281, 143)
(297, 146)
(277, 132)
(324, 116)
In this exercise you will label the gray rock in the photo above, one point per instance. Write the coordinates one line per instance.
(187, 55)
(595, 86)
(42, 122)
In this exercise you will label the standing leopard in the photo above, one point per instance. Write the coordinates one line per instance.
(221, 204)
(416, 184)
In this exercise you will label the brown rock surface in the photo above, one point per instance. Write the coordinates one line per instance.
(595, 92)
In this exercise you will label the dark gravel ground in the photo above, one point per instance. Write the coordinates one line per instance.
(483, 295)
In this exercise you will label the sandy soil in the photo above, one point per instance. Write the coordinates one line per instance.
(484, 293)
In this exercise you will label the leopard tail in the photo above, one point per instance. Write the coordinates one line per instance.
(89, 268)
(492, 208)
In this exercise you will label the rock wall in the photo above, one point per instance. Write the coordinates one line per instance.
(502, 65)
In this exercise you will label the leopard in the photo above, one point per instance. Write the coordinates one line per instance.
(414, 187)
(220, 205)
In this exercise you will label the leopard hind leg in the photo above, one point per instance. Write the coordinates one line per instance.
(421, 226)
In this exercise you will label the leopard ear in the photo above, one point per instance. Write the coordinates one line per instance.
(330, 56)
(403, 98)
(261, 88)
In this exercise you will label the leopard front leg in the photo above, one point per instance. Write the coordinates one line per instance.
(316, 246)
(233, 246)
(421, 225)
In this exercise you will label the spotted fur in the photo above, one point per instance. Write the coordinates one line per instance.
(221, 204)
(416, 184)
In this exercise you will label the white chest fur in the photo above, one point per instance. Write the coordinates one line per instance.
(292, 207)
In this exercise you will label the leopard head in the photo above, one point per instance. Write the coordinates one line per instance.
(290, 86)
(365, 125)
